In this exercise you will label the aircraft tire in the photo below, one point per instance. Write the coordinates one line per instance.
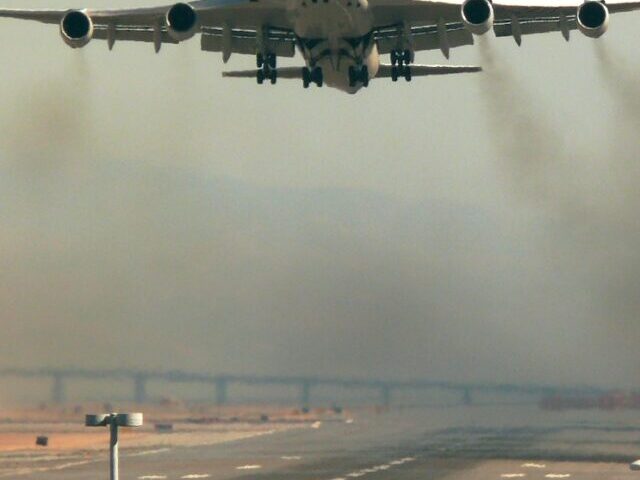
(364, 76)
(407, 74)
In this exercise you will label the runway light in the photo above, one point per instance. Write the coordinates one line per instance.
(113, 421)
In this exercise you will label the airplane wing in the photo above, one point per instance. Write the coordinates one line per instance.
(432, 25)
(228, 26)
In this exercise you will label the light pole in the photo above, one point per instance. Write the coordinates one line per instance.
(113, 421)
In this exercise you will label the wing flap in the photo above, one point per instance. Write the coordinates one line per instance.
(280, 43)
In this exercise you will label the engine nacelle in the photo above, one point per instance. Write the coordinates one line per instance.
(593, 18)
(76, 28)
(182, 21)
(477, 16)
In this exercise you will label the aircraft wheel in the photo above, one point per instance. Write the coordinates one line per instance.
(352, 76)
(260, 77)
(407, 74)
(406, 57)
(273, 76)
(271, 60)
(306, 77)
(259, 60)
(394, 74)
(364, 76)
(394, 57)
(318, 78)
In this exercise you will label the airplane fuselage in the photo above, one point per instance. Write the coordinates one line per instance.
(335, 35)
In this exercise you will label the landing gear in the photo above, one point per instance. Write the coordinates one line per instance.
(266, 73)
(401, 57)
(310, 76)
(401, 71)
(359, 74)
(266, 68)
(400, 61)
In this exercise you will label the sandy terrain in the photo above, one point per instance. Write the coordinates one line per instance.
(66, 432)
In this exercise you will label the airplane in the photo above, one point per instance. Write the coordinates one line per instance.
(341, 41)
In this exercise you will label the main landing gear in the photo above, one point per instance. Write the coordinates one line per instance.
(359, 74)
(310, 76)
(400, 61)
(266, 68)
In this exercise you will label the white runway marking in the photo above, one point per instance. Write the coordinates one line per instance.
(557, 475)
(152, 477)
(290, 457)
(316, 424)
(248, 467)
(533, 465)
(377, 468)
(513, 475)
(148, 452)
(196, 475)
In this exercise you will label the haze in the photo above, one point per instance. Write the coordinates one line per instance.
(477, 227)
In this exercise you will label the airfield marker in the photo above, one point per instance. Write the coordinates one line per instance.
(113, 421)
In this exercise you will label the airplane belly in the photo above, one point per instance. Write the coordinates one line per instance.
(330, 19)
(336, 70)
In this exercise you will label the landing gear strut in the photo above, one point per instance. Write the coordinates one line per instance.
(266, 68)
(310, 76)
(359, 74)
(401, 57)
(400, 61)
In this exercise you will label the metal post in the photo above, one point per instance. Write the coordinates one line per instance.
(113, 447)
(113, 421)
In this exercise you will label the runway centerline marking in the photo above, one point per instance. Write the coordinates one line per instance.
(533, 465)
(377, 468)
(152, 477)
(558, 475)
(248, 467)
(513, 475)
(291, 457)
(196, 475)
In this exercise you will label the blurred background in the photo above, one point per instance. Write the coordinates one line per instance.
(479, 228)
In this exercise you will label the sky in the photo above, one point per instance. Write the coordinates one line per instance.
(476, 227)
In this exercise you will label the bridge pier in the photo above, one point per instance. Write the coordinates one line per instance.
(58, 391)
(305, 394)
(467, 399)
(222, 387)
(385, 395)
(140, 388)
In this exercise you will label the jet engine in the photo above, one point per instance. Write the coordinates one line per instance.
(593, 18)
(182, 21)
(76, 28)
(477, 16)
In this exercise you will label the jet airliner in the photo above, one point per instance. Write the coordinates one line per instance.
(341, 41)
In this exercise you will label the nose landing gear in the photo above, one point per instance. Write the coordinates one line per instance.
(266, 68)
(359, 74)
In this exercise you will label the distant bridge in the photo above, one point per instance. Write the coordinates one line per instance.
(221, 383)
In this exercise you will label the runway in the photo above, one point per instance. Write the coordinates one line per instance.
(426, 443)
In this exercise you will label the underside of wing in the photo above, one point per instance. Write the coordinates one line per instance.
(415, 25)
(228, 26)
